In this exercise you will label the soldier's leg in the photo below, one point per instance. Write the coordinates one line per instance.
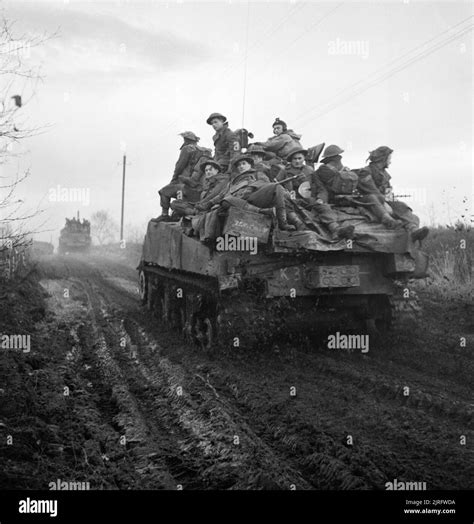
(377, 207)
(405, 214)
(182, 208)
(166, 194)
(327, 216)
(409, 220)
(272, 195)
(243, 204)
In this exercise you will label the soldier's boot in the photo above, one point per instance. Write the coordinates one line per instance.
(164, 217)
(295, 220)
(419, 234)
(282, 220)
(390, 222)
(262, 210)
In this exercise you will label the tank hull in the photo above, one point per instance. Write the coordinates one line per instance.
(246, 296)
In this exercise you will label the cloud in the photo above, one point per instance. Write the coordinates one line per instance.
(103, 42)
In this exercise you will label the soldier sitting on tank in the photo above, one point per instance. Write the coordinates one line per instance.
(185, 180)
(283, 141)
(265, 161)
(212, 184)
(334, 183)
(255, 188)
(298, 172)
(374, 180)
(261, 159)
(226, 142)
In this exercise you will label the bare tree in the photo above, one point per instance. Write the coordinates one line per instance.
(103, 227)
(18, 86)
(134, 233)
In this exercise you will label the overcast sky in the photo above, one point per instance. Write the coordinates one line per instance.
(135, 74)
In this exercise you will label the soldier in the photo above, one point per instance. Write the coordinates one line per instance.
(256, 190)
(333, 179)
(296, 168)
(265, 161)
(375, 180)
(283, 141)
(213, 182)
(226, 143)
(184, 174)
(304, 173)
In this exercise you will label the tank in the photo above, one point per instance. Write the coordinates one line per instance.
(256, 283)
(75, 236)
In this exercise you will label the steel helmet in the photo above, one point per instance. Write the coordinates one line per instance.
(294, 151)
(216, 115)
(212, 163)
(247, 157)
(331, 151)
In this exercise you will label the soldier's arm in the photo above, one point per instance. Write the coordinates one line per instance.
(215, 196)
(366, 184)
(275, 144)
(195, 180)
(318, 189)
(184, 157)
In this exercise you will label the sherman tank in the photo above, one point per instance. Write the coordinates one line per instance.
(75, 236)
(255, 283)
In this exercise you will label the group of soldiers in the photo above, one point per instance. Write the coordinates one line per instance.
(278, 176)
(75, 224)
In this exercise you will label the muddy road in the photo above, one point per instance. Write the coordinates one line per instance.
(144, 409)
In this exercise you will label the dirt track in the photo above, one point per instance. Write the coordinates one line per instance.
(231, 420)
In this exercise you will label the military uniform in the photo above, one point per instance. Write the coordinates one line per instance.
(282, 144)
(322, 188)
(186, 180)
(226, 146)
(375, 181)
(303, 174)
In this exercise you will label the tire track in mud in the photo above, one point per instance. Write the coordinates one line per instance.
(133, 432)
(336, 467)
(396, 436)
(390, 440)
(89, 436)
(214, 441)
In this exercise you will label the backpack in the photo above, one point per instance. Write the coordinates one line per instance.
(344, 181)
(200, 155)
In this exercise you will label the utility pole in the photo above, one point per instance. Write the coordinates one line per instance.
(123, 195)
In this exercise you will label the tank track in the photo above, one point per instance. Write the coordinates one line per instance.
(405, 311)
(249, 321)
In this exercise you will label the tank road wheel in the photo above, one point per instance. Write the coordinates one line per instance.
(143, 287)
(379, 317)
(204, 333)
(173, 308)
(406, 310)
